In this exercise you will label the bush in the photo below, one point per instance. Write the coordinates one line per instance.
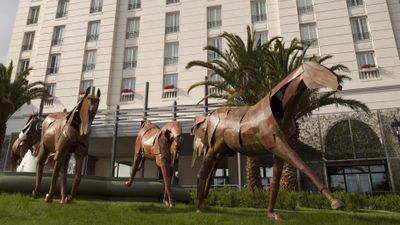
(232, 197)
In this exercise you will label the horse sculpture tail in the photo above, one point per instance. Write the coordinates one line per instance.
(200, 132)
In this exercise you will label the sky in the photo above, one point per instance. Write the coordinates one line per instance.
(8, 10)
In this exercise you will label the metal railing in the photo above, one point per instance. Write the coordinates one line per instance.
(369, 74)
(127, 97)
(170, 93)
(307, 9)
(215, 23)
(361, 36)
(89, 67)
(258, 18)
(172, 1)
(48, 102)
(132, 34)
(129, 64)
(92, 37)
(172, 29)
(171, 60)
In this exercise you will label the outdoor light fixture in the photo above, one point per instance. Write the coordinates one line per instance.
(396, 128)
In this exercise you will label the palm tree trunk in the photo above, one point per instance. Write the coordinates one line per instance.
(3, 128)
(289, 178)
(253, 174)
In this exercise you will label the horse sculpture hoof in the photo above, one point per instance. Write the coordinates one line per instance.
(48, 199)
(198, 211)
(337, 204)
(35, 194)
(274, 216)
(128, 184)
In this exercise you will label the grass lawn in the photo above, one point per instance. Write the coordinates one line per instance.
(20, 209)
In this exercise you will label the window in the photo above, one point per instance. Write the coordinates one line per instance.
(214, 16)
(90, 60)
(258, 11)
(33, 15)
(171, 53)
(366, 60)
(266, 176)
(96, 6)
(58, 35)
(172, 23)
(128, 90)
(50, 89)
(28, 41)
(62, 9)
(132, 30)
(172, 1)
(359, 28)
(54, 64)
(134, 4)
(354, 3)
(221, 177)
(362, 179)
(170, 84)
(308, 34)
(305, 7)
(217, 43)
(93, 31)
(130, 58)
(85, 84)
(23, 65)
(261, 37)
(212, 89)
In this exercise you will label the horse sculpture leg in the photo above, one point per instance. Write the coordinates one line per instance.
(275, 183)
(78, 176)
(137, 162)
(64, 170)
(165, 166)
(41, 158)
(57, 167)
(283, 150)
(202, 177)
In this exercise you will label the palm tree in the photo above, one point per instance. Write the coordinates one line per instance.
(14, 94)
(250, 71)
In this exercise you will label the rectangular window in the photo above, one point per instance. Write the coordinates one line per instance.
(172, 1)
(130, 58)
(90, 61)
(359, 28)
(221, 177)
(85, 84)
(172, 20)
(134, 4)
(93, 31)
(170, 85)
(58, 35)
(33, 15)
(305, 7)
(128, 90)
(308, 34)
(28, 41)
(171, 53)
(261, 37)
(132, 29)
(23, 65)
(366, 60)
(355, 3)
(258, 11)
(62, 9)
(54, 64)
(214, 17)
(96, 6)
(50, 87)
(216, 43)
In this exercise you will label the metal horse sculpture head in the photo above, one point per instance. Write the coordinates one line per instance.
(160, 145)
(63, 134)
(258, 129)
(25, 141)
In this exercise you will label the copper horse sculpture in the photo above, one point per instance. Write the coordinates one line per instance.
(25, 141)
(160, 145)
(63, 134)
(260, 128)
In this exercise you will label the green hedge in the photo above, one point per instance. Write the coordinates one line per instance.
(232, 197)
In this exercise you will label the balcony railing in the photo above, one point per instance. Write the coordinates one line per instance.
(58, 41)
(132, 34)
(172, 29)
(171, 60)
(258, 18)
(95, 9)
(172, 1)
(88, 67)
(26, 47)
(129, 65)
(361, 36)
(307, 9)
(215, 23)
(61, 14)
(371, 73)
(214, 90)
(169, 93)
(49, 101)
(136, 5)
(311, 42)
(32, 21)
(127, 97)
(52, 70)
(354, 3)
(92, 37)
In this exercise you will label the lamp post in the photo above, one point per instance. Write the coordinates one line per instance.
(396, 128)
